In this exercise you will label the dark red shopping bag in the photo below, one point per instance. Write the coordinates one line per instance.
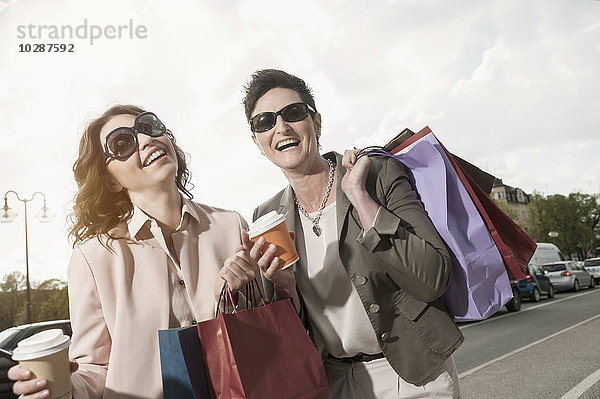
(262, 352)
(515, 246)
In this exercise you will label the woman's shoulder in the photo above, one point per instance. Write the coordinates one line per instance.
(272, 203)
(101, 243)
(219, 216)
(383, 165)
(212, 211)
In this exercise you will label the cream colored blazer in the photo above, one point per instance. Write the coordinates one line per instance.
(119, 299)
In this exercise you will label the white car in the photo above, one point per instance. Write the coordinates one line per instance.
(593, 267)
(567, 275)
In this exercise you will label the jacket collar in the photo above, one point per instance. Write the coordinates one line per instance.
(139, 219)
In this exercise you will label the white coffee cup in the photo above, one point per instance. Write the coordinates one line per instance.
(46, 355)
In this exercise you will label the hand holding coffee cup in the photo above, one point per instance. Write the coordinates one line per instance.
(272, 228)
(45, 356)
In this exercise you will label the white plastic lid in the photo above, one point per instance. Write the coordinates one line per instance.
(265, 223)
(41, 344)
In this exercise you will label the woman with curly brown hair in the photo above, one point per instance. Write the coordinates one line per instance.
(145, 257)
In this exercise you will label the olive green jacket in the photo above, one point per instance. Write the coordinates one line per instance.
(400, 268)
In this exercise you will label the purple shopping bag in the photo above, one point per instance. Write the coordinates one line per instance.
(479, 284)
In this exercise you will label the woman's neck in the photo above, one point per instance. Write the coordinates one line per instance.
(310, 186)
(162, 205)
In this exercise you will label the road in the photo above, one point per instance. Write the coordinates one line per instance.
(549, 349)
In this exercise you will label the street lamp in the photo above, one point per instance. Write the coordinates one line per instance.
(552, 233)
(7, 215)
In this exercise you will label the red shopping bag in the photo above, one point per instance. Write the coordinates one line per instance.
(515, 246)
(262, 352)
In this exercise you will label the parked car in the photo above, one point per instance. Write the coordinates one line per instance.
(514, 305)
(593, 267)
(567, 275)
(9, 339)
(535, 284)
(544, 253)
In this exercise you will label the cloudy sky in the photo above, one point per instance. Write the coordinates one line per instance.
(511, 86)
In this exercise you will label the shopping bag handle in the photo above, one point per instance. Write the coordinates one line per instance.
(373, 150)
(251, 300)
(226, 297)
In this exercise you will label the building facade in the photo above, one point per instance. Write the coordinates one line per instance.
(515, 200)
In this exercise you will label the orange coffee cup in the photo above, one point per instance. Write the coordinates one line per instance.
(273, 228)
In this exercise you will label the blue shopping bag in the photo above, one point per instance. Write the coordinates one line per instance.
(183, 373)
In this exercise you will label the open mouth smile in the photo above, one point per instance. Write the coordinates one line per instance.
(159, 153)
(287, 145)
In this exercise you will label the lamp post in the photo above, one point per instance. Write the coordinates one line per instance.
(7, 215)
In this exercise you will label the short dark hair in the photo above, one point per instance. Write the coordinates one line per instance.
(264, 80)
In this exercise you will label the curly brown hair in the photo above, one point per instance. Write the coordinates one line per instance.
(97, 209)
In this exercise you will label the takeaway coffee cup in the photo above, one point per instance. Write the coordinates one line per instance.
(46, 355)
(272, 227)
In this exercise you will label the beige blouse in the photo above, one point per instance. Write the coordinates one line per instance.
(340, 325)
(120, 298)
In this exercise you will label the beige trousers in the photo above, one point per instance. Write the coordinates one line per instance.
(377, 380)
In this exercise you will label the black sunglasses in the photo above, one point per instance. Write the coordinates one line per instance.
(122, 142)
(290, 113)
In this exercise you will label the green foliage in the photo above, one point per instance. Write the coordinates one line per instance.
(12, 298)
(506, 209)
(12, 282)
(574, 217)
(511, 213)
(49, 300)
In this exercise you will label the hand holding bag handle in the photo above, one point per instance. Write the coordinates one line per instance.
(226, 297)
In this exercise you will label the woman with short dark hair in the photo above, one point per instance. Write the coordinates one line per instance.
(372, 267)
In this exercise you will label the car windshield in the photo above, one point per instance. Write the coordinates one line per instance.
(595, 262)
(554, 268)
(543, 255)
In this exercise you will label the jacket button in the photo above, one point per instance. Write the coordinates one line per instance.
(374, 308)
(194, 321)
(360, 280)
(385, 336)
(181, 282)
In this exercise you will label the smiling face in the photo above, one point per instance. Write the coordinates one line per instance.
(151, 166)
(290, 145)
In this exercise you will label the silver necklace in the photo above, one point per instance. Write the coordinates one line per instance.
(315, 221)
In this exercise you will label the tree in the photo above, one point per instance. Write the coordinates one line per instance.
(506, 209)
(49, 300)
(574, 217)
(12, 298)
(12, 282)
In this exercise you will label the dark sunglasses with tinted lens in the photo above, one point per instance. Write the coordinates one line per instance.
(290, 113)
(122, 142)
